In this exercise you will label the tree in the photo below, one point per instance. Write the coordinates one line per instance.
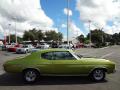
(60, 36)
(28, 35)
(52, 35)
(116, 38)
(81, 38)
(34, 34)
(96, 36)
(12, 39)
(40, 35)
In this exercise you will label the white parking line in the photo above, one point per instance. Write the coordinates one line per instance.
(106, 55)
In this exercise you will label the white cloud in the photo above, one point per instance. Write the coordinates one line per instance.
(66, 11)
(115, 28)
(25, 13)
(1, 30)
(64, 38)
(99, 11)
(63, 25)
(108, 30)
(74, 30)
(91, 27)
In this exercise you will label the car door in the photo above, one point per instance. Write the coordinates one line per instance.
(64, 63)
(45, 63)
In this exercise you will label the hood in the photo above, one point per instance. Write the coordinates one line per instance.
(22, 48)
(96, 61)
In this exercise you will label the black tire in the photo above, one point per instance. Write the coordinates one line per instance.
(30, 75)
(25, 52)
(98, 75)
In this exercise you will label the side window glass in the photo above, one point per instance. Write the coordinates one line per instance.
(68, 56)
(47, 55)
(63, 56)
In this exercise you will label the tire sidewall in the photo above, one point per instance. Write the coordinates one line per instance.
(93, 72)
(24, 75)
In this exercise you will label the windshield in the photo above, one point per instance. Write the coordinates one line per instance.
(73, 53)
(25, 46)
(42, 44)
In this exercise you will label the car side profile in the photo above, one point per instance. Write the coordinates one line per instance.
(24, 49)
(43, 46)
(59, 62)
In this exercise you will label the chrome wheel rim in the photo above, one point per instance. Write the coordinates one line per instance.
(30, 76)
(98, 74)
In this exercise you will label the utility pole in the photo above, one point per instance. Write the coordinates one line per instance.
(9, 32)
(58, 36)
(5, 37)
(68, 1)
(90, 31)
(102, 35)
(15, 30)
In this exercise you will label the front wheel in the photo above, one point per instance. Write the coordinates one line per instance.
(30, 75)
(98, 75)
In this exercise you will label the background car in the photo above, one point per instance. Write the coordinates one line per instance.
(1, 47)
(25, 49)
(36, 49)
(54, 45)
(65, 46)
(43, 46)
(59, 62)
(14, 47)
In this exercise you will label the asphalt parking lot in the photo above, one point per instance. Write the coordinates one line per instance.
(112, 82)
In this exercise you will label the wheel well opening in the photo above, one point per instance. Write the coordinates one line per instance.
(31, 69)
(104, 69)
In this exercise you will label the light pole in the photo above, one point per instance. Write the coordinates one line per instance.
(90, 31)
(9, 32)
(15, 19)
(102, 35)
(68, 1)
(5, 37)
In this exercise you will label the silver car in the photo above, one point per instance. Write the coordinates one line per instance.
(25, 49)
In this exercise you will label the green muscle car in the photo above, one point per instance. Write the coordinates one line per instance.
(59, 62)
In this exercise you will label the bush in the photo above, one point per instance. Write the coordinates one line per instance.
(100, 45)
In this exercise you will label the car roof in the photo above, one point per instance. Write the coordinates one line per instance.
(49, 50)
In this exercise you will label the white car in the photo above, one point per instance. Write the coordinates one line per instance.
(9, 45)
(43, 46)
(65, 46)
(25, 49)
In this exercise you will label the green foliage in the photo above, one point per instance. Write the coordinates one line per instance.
(34, 34)
(40, 35)
(86, 41)
(12, 39)
(60, 36)
(52, 35)
(28, 35)
(116, 38)
(96, 36)
(81, 38)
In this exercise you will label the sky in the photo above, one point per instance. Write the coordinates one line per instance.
(49, 15)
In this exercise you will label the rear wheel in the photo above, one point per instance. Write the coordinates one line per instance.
(30, 75)
(98, 75)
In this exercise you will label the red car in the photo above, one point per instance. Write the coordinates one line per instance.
(79, 45)
(13, 48)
